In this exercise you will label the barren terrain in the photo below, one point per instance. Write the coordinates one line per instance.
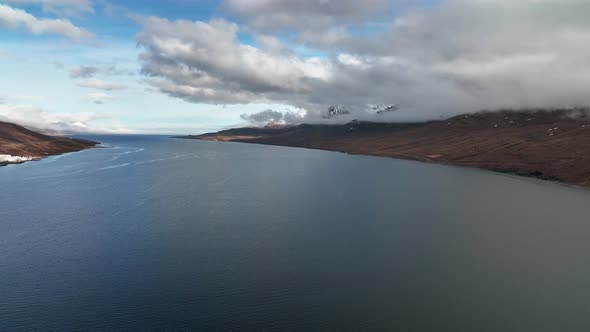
(551, 145)
(19, 141)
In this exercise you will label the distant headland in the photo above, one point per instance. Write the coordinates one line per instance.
(19, 144)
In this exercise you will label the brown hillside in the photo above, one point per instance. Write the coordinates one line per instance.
(19, 141)
(552, 145)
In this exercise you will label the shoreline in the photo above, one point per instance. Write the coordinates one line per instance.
(28, 159)
(547, 145)
(20, 145)
(6, 160)
(507, 171)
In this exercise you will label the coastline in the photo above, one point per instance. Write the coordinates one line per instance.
(6, 159)
(25, 159)
(546, 145)
(19, 144)
(507, 170)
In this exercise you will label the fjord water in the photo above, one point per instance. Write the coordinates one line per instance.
(157, 233)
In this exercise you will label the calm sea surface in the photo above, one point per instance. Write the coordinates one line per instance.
(167, 234)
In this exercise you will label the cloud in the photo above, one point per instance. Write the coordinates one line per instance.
(88, 71)
(273, 15)
(99, 97)
(314, 23)
(266, 116)
(59, 7)
(101, 85)
(40, 119)
(205, 62)
(84, 72)
(453, 57)
(115, 71)
(12, 18)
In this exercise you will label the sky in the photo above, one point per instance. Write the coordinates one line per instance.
(192, 66)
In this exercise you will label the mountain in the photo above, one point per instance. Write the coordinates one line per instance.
(547, 144)
(19, 144)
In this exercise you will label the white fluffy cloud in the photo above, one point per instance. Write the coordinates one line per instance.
(456, 56)
(205, 62)
(13, 18)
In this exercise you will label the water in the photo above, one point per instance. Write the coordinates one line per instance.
(167, 234)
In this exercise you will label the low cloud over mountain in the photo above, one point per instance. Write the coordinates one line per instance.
(447, 58)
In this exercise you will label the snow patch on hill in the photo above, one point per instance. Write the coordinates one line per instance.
(9, 159)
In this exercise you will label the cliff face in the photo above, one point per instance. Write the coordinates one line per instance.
(19, 141)
(553, 145)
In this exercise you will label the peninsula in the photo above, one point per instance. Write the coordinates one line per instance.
(546, 144)
(19, 144)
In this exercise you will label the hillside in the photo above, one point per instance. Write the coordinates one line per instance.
(19, 141)
(552, 145)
